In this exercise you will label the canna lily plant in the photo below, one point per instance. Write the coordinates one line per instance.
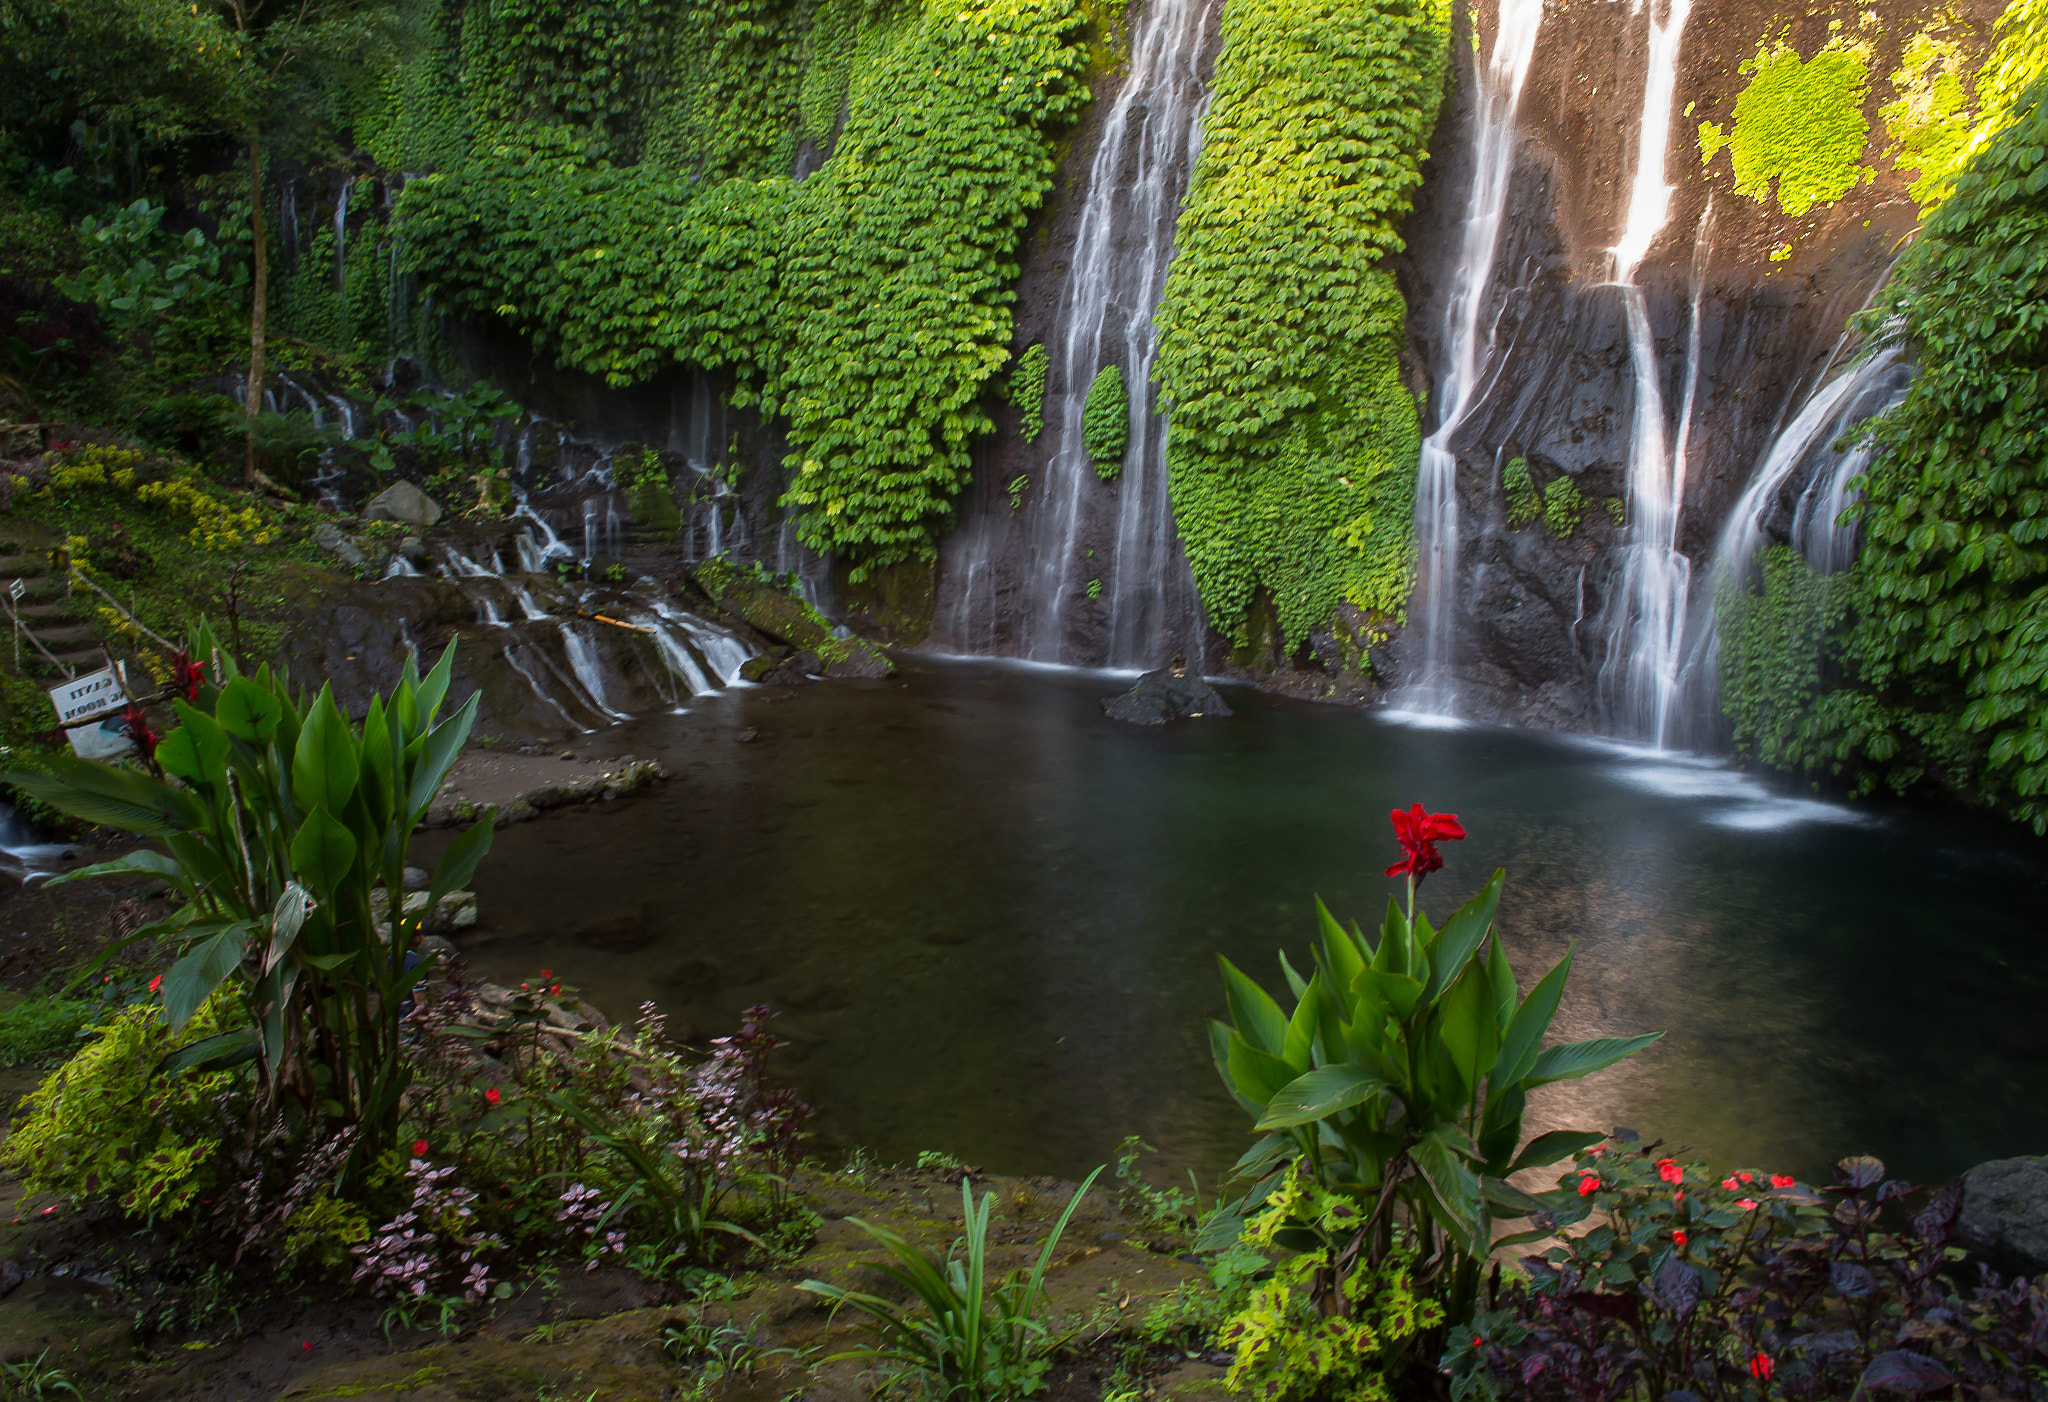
(280, 820)
(1399, 1078)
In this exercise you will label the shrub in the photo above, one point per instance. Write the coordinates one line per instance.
(42, 1031)
(1524, 505)
(1748, 1286)
(1398, 1082)
(1027, 389)
(1106, 423)
(105, 1125)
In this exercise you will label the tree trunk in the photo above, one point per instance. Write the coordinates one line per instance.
(259, 280)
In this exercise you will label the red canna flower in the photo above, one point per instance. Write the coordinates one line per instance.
(547, 973)
(1760, 1366)
(1779, 1180)
(1747, 1177)
(419, 1149)
(1678, 1239)
(1669, 1171)
(1589, 1185)
(494, 1095)
(136, 722)
(1418, 833)
(186, 676)
(156, 984)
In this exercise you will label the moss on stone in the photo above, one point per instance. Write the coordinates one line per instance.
(1799, 131)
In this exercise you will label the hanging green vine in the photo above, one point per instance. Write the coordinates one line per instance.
(1027, 389)
(897, 283)
(1294, 441)
(1106, 422)
(1946, 656)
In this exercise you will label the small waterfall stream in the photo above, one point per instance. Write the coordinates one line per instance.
(1468, 349)
(1647, 624)
(1147, 146)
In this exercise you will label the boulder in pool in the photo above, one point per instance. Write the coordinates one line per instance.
(1162, 696)
(2005, 1213)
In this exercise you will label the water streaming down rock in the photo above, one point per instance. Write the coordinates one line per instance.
(1646, 629)
(1038, 598)
(1469, 351)
(1797, 495)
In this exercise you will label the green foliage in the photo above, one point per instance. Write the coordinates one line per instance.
(1947, 654)
(1294, 440)
(106, 1124)
(1287, 1346)
(147, 280)
(42, 1031)
(1106, 422)
(1770, 654)
(966, 1338)
(1798, 126)
(1563, 507)
(288, 817)
(30, 1380)
(901, 255)
(1027, 389)
(1929, 122)
(1398, 1080)
(1524, 503)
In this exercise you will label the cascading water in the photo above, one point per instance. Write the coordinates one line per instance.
(1148, 144)
(1469, 352)
(1647, 632)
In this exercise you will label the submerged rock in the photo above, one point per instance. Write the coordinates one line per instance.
(1163, 696)
(404, 503)
(2005, 1213)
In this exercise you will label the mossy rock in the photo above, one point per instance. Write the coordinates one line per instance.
(787, 619)
(618, 1358)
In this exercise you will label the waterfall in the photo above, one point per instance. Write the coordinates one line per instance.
(1647, 633)
(1818, 445)
(1147, 146)
(1468, 350)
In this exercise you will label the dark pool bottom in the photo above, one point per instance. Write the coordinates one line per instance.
(991, 918)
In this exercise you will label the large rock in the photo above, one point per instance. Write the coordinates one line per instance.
(404, 503)
(1162, 696)
(2005, 1213)
(816, 650)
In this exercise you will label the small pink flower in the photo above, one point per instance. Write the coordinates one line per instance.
(1669, 1171)
(1760, 1367)
(306, 1344)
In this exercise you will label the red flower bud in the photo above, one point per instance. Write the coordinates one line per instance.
(1779, 1180)
(1678, 1239)
(1746, 1204)
(494, 1095)
(156, 984)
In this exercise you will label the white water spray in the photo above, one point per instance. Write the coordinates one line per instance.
(1646, 638)
(1470, 352)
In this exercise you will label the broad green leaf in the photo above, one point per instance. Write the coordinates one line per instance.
(1523, 1040)
(1341, 958)
(442, 745)
(1301, 1027)
(1257, 1075)
(1317, 1094)
(206, 965)
(1398, 992)
(1467, 1027)
(324, 763)
(1454, 1190)
(248, 711)
(287, 918)
(216, 1053)
(459, 862)
(323, 852)
(1576, 1059)
(1546, 1149)
(1460, 937)
(433, 688)
(102, 793)
(208, 742)
(1296, 984)
(1391, 956)
(1256, 1016)
(1505, 990)
(1508, 1198)
(141, 862)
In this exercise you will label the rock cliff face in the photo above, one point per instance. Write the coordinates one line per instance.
(1747, 305)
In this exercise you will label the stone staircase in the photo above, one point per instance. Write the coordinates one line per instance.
(45, 612)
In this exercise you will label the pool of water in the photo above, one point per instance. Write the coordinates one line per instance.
(991, 918)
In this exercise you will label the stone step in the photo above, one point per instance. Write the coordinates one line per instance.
(56, 608)
(68, 635)
(22, 566)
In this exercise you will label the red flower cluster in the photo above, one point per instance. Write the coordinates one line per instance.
(1418, 833)
(1734, 1180)
(136, 722)
(187, 676)
(1678, 1240)
(1779, 1180)
(1669, 1171)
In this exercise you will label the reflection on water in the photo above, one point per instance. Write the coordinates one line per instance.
(991, 917)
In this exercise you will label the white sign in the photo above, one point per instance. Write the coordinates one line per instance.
(107, 740)
(88, 696)
(16, 590)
